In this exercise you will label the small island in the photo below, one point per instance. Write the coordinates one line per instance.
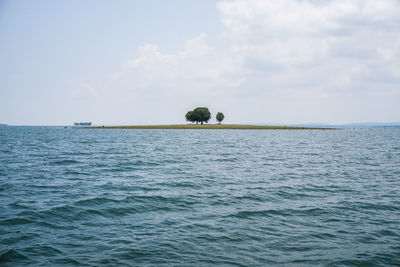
(201, 115)
(211, 127)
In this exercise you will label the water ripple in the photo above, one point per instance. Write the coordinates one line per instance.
(199, 198)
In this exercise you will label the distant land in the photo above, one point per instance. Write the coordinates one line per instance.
(211, 126)
(350, 125)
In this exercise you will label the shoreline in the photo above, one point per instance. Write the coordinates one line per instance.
(208, 127)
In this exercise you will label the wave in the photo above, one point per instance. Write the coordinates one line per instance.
(65, 162)
(12, 255)
(15, 221)
(279, 212)
(96, 201)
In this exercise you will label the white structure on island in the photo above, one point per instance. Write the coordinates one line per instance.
(82, 124)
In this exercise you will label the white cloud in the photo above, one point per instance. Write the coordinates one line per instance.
(312, 56)
(290, 33)
(196, 67)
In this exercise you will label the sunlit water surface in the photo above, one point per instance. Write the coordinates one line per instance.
(199, 197)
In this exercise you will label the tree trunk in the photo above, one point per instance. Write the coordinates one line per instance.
(201, 123)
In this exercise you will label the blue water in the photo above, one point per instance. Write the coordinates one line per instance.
(199, 197)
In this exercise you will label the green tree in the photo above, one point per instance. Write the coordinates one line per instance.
(189, 116)
(220, 117)
(201, 114)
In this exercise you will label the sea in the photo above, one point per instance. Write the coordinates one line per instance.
(109, 197)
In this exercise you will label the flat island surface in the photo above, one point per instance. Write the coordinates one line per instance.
(212, 126)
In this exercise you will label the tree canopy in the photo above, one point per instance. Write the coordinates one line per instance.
(189, 116)
(220, 117)
(200, 114)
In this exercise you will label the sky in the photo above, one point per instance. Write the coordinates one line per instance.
(149, 62)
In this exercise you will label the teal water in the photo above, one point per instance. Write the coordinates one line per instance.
(199, 197)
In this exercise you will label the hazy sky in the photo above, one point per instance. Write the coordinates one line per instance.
(148, 62)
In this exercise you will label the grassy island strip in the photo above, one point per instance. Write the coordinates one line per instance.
(211, 127)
